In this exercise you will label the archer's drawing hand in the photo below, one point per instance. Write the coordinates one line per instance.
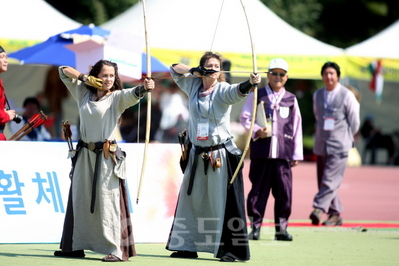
(94, 82)
(200, 70)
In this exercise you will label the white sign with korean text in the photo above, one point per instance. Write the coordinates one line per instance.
(34, 187)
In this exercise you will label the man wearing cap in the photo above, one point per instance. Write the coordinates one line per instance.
(276, 146)
(5, 115)
(337, 121)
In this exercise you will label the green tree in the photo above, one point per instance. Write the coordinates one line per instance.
(345, 23)
(301, 14)
(92, 11)
(337, 22)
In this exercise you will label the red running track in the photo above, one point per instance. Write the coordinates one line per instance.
(368, 193)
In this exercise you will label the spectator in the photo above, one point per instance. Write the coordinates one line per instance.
(174, 117)
(6, 114)
(276, 147)
(336, 110)
(375, 139)
(31, 107)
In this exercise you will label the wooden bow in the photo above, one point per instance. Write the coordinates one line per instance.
(255, 91)
(148, 120)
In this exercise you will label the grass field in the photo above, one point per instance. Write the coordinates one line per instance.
(311, 246)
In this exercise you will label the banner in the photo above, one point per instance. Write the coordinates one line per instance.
(34, 187)
(14, 45)
(359, 68)
(300, 66)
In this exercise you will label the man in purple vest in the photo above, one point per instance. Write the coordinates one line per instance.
(276, 146)
(337, 120)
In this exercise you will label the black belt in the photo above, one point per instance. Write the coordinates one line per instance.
(97, 148)
(205, 158)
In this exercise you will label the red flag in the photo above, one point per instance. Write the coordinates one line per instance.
(377, 81)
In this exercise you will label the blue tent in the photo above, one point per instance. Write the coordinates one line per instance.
(53, 50)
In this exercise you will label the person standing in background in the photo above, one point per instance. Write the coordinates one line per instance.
(275, 148)
(336, 110)
(375, 139)
(175, 114)
(6, 115)
(31, 107)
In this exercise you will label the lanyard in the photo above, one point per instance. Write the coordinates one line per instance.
(327, 102)
(199, 114)
(274, 100)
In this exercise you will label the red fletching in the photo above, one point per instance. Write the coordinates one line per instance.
(33, 123)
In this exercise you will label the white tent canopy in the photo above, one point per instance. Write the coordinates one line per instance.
(181, 30)
(177, 24)
(382, 45)
(32, 20)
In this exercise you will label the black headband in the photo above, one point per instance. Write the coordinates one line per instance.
(2, 50)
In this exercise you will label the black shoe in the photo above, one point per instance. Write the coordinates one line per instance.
(227, 258)
(333, 220)
(255, 233)
(315, 216)
(72, 254)
(111, 258)
(184, 254)
(283, 237)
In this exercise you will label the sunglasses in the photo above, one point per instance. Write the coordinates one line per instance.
(282, 75)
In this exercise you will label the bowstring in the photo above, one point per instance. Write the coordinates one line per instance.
(217, 25)
(213, 39)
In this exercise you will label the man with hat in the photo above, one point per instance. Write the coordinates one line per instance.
(276, 146)
(5, 115)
